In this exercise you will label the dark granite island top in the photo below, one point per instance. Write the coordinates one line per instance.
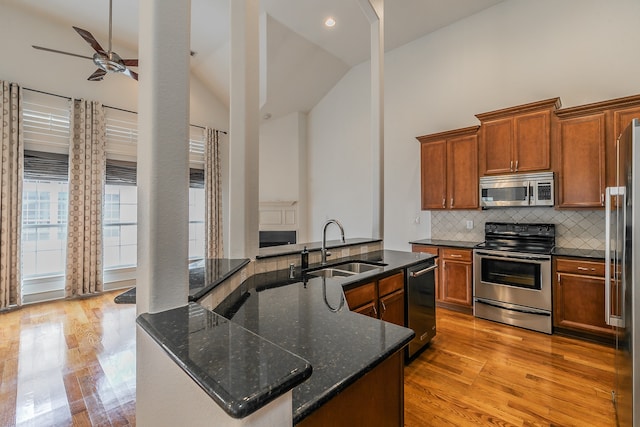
(239, 370)
(308, 316)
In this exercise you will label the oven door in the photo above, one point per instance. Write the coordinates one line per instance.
(514, 278)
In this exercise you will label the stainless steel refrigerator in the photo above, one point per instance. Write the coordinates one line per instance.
(622, 274)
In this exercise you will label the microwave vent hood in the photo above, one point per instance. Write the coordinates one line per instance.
(517, 190)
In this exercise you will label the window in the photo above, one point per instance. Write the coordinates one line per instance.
(120, 215)
(44, 228)
(196, 223)
(120, 226)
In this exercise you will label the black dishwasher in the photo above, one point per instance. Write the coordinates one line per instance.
(421, 305)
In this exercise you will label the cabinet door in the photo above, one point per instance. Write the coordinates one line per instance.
(579, 303)
(495, 147)
(363, 294)
(532, 142)
(621, 119)
(582, 168)
(456, 282)
(368, 310)
(392, 308)
(462, 172)
(433, 174)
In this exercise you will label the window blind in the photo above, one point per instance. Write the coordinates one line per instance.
(120, 172)
(46, 122)
(43, 166)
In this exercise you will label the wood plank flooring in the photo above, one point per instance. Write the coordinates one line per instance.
(478, 372)
(69, 363)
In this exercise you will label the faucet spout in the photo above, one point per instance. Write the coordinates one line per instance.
(324, 238)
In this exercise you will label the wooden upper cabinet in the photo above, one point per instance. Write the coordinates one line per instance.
(517, 139)
(449, 169)
(586, 152)
(581, 152)
(621, 117)
(495, 157)
(433, 174)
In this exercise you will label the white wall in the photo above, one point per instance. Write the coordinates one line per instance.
(516, 52)
(279, 159)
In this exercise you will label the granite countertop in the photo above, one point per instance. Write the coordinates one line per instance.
(579, 253)
(239, 370)
(450, 243)
(308, 316)
(294, 249)
(204, 275)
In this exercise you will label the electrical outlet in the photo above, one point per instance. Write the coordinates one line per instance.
(469, 224)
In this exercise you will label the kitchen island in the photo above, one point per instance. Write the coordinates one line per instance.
(304, 317)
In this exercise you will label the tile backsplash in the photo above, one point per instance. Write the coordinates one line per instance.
(574, 229)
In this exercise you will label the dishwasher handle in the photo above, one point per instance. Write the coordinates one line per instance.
(423, 271)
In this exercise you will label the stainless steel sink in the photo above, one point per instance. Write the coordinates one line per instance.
(331, 272)
(346, 269)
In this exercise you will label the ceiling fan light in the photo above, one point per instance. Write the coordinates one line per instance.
(111, 63)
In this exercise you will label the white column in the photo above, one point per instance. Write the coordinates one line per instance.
(244, 129)
(163, 166)
(374, 11)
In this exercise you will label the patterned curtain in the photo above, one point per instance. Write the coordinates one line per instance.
(12, 157)
(87, 164)
(213, 195)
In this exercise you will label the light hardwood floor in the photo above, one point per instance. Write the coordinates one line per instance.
(73, 363)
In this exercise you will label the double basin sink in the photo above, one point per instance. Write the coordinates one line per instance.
(346, 269)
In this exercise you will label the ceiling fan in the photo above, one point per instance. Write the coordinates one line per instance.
(107, 60)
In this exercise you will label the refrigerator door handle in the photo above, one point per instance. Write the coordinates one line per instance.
(611, 267)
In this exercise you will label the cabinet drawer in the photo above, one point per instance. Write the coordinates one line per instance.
(391, 284)
(426, 249)
(590, 268)
(456, 254)
(361, 295)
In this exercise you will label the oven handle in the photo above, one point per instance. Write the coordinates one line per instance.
(510, 256)
(519, 310)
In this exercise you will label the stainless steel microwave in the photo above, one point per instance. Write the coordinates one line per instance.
(534, 189)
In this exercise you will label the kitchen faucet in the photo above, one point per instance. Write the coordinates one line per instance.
(324, 238)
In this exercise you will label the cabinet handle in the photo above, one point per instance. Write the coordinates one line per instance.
(384, 307)
(511, 166)
(558, 278)
(443, 202)
(583, 268)
(601, 199)
(516, 166)
(452, 202)
(375, 311)
(455, 256)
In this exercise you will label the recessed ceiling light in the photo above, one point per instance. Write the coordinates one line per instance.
(330, 22)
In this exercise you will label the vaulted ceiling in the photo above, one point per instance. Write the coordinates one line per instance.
(305, 59)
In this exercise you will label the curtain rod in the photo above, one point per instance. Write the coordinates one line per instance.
(108, 106)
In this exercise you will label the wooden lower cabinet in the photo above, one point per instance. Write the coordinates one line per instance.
(454, 281)
(383, 299)
(578, 298)
(376, 399)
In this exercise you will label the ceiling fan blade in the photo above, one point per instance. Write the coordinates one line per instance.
(60, 51)
(97, 75)
(88, 37)
(132, 74)
(130, 62)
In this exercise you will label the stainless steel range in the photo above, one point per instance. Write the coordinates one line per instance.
(512, 277)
